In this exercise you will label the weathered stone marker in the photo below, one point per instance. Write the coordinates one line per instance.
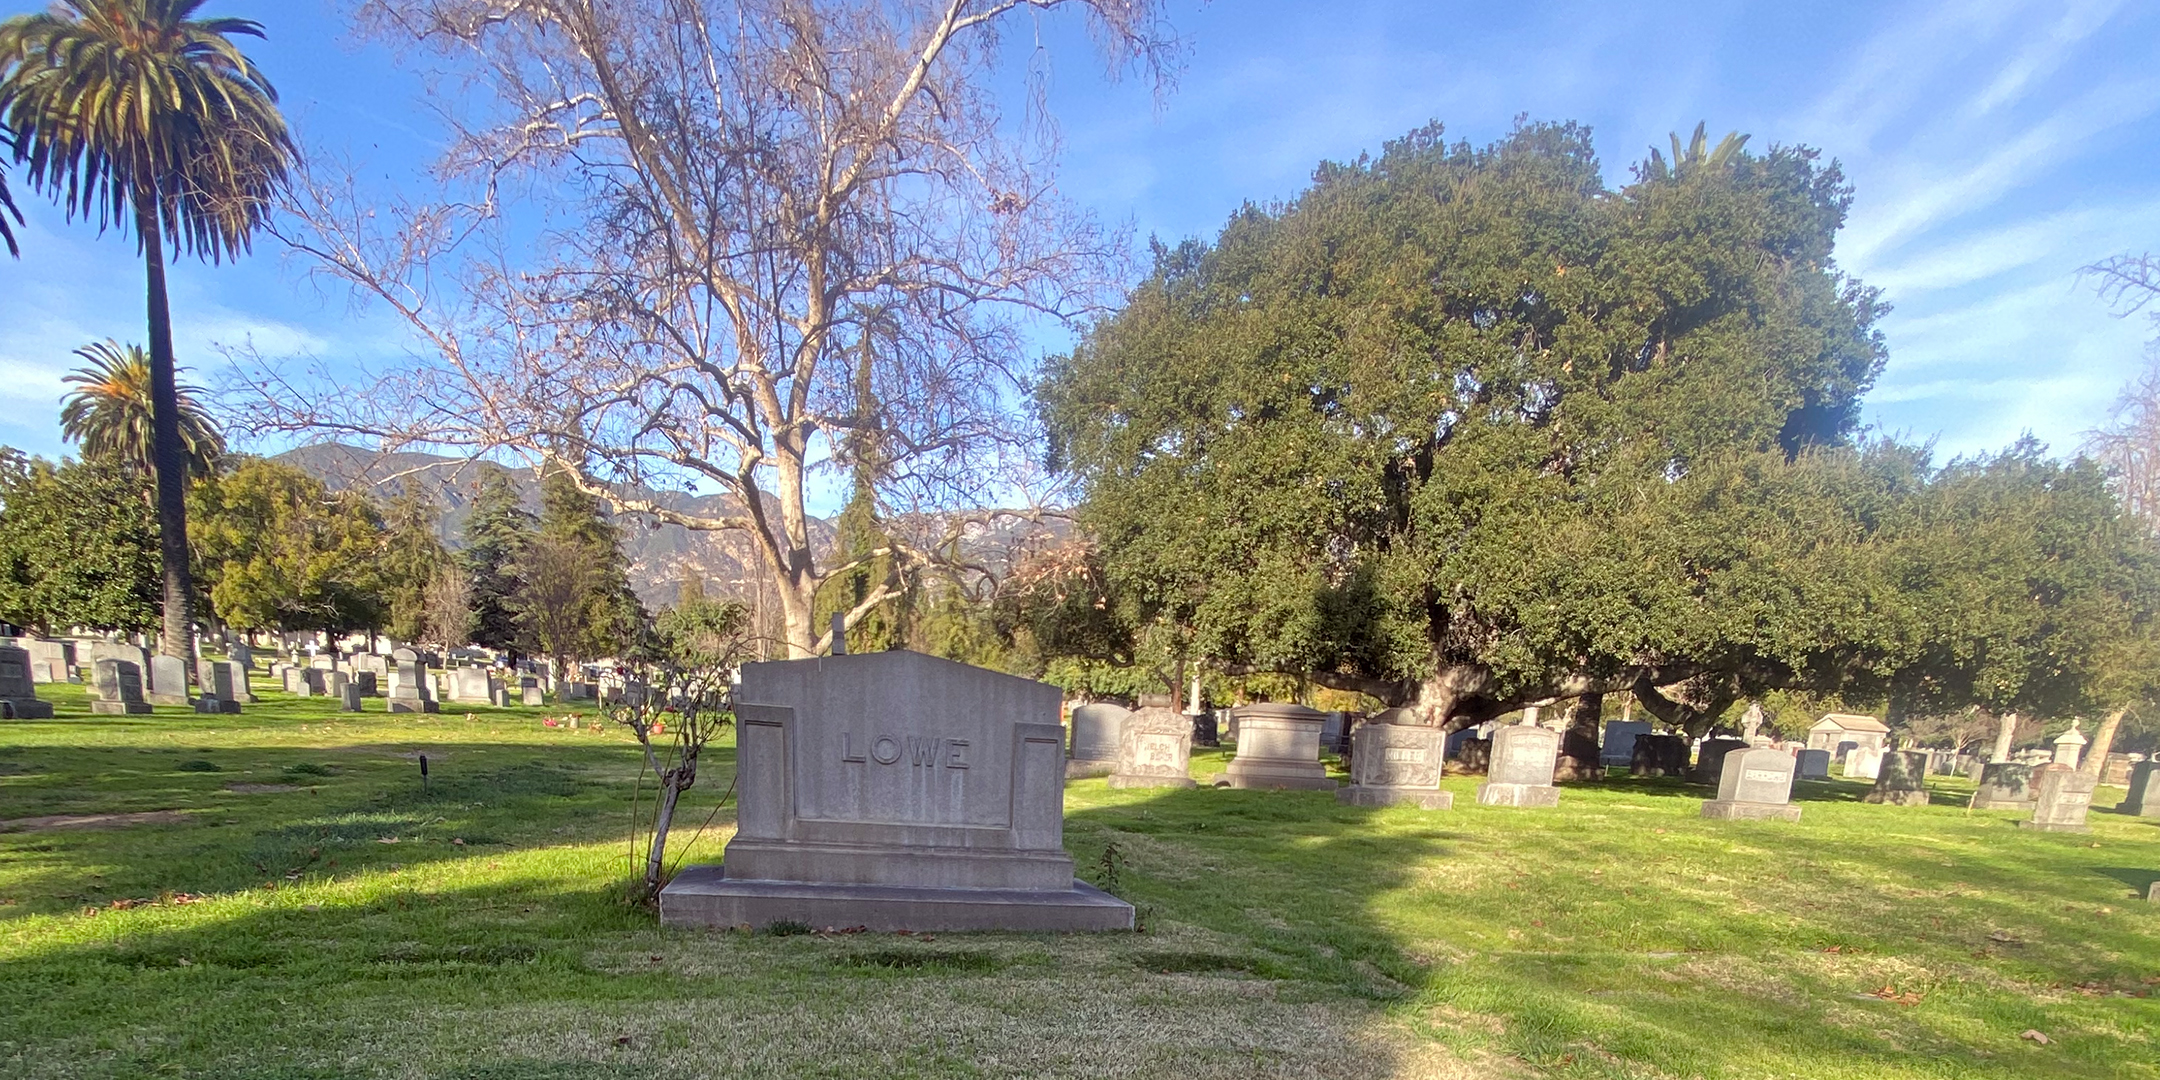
(409, 689)
(1154, 750)
(1521, 773)
(1901, 780)
(2144, 797)
(1278, 747)
(529, 691)
(2062, 795)
(18, 687)
(1396, 763)
(471, 686)
(168, 682)
(1863, 763)
(1811, 765)
(895, 791)
(1659, 755)
(50, 661)
(348, 695)
(217, 696)
(1095, 739)
(2004, 785)
(1710, 758)
(1755, 784)
(116, 688)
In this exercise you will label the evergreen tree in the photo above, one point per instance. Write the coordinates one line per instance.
(574, 600)
(78, 547)
(413, 554)
(496, 536)
(278, 550)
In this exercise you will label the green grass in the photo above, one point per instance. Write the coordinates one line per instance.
(287, 901)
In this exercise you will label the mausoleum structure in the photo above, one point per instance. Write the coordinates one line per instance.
(895, 791)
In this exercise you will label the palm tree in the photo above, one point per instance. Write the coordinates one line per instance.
(140, 114)
(111, 416)
(7, 204)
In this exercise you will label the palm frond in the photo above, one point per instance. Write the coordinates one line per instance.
(110, 414)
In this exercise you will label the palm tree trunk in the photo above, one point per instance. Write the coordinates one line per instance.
(165, 450)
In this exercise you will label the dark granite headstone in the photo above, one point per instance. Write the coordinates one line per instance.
(1902, 779)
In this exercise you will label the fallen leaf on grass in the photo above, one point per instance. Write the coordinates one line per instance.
(1890, 993)
(2035, 1036)
(386, 839)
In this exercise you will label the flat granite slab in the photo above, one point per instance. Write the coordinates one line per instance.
(703, 896)
(1734, 809)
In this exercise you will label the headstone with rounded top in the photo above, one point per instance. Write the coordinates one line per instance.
(116, 688)
(1278, 747)
(2062, 794)
(1154, 750)
(1902, 779)
(1521, 772)
(1396, 763)
(895, 791)
(121, 650)
(1710, 758)
(2144, 797)
(1755, 784)
(1095, 739)
(18, 688)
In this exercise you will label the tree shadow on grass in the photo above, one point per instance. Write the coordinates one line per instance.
(2140, 881)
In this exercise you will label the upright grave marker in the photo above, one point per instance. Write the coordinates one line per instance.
(1396, 763)
(2061, 796)
(1710, 758)
(1278, 747)
(116, 688)
(1659, 755)
(1095, 739)
(217, 696)
(2069, 746)
(895, 791)
(168, 681)
(410, 691)
(18, 688)
(1521, 773)
(1863, 763)
(2004, 785)
(1755, 784)
(1811, 765)
(1618, 748)
(1901, 780)
(1154, 750)
(2144, 797)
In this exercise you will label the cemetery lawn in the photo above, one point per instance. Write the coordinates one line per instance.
(273, 895)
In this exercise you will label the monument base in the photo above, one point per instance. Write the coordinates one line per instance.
(412, 705)
(704, 896)
(2052, 826)
(1118, 780)
(1897, 798)
(210, 706)
(1277, 775)
(1979, 803)
(27, 709)
(177, 700)
(1425, 798)
(119, 708)
(1082, 768)
(1518, 795)
(1736, 810)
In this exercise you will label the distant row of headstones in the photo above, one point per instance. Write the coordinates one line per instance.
(1278, 746)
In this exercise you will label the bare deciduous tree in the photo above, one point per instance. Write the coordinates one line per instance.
(2128, 445)
(753, 238)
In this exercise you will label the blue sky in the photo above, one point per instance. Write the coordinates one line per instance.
(1996, 145)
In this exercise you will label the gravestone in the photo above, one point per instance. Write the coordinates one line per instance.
(240, 653)
(576, 691)
(2004, 785)
(1154, 750)
(409, 688)
(529, 692)
(1659, 755)
(1396, 763)
(1207, 728)
(1710, 758)
(1902, 779)
(1811, 765)
(1863, 763)
(2115, 769)
(1521, 773)
(1335, 733)
(365, 682)
(168, 682)
(2069, 746)
(470, 685)
(236, 673)
(895, 791)
(116, 688)
(2144, 797)
(348, 694)
(120, 650)
(50, 661)
(1754, 784)
(335, 683)
(18, 687)
(2061, 796)
(1095, 739)
(1619, 745)
(217, 689)
(294, 679)
(1278, 747)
